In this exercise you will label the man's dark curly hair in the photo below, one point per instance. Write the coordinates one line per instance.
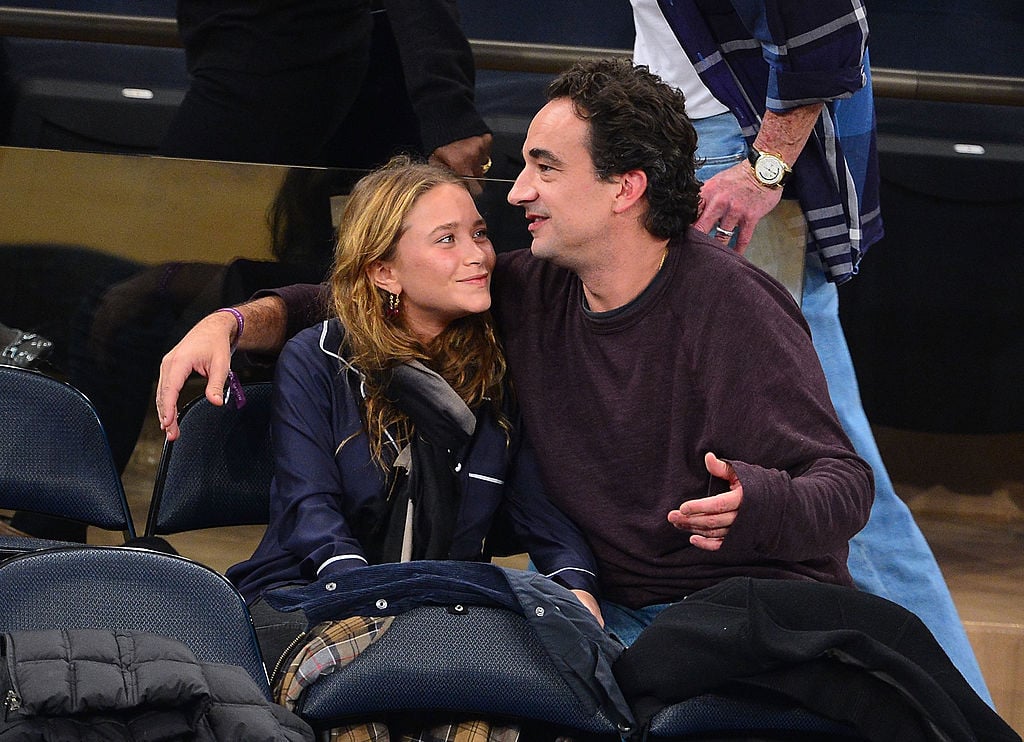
(637, 122)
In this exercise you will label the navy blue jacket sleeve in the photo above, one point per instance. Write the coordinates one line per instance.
(317, 487)
(555, 544)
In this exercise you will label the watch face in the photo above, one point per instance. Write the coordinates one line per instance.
(769, 169)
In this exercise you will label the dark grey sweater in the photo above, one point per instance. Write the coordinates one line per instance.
(713, 356)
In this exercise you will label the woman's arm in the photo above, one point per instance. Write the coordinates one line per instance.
(317, 487)
(555, 544)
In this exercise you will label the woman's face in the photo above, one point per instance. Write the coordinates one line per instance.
(443, 262)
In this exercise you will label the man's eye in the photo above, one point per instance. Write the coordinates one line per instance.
(481, 234)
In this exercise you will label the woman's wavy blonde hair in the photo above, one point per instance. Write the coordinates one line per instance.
(466, 354)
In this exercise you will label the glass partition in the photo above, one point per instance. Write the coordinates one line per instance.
(112, 258)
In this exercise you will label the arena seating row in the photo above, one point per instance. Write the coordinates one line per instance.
(53, 457)
(85, 96)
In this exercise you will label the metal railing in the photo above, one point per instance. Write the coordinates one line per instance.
(496, 55)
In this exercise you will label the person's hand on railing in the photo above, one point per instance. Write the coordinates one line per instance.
(470, 157)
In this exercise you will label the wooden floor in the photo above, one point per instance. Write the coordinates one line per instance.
(967, 495)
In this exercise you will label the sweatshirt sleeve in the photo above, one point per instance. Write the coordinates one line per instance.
(305, 303)
(805, 490)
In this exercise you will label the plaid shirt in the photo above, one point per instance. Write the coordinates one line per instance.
(781, 54)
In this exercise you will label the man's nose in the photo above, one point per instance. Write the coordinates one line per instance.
(520, 192)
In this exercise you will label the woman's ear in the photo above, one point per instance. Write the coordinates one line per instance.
(383, 276)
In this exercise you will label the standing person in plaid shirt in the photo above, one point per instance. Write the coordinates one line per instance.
(780, 95)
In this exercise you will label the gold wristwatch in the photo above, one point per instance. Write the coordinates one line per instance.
(770, 170)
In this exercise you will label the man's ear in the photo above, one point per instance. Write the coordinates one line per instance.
(383, 276)
(632, 187)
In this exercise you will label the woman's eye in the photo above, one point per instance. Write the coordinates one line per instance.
(447, 238)
(481, 234)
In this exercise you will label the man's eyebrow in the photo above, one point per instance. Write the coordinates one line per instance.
(538, 153)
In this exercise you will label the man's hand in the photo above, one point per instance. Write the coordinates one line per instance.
(591, 604)
(734, 201)
(708, 519)
(206, 349)
(466, 157)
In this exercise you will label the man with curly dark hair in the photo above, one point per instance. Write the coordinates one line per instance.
(635, 123)
(631, 344)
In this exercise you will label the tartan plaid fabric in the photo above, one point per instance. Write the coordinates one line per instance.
(329, 645)
(466, 731)
(334, 644)
(836, 179)
(368, 732)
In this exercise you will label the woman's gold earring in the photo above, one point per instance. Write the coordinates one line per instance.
(392, 308)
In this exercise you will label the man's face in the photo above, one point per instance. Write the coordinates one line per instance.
(567, 206)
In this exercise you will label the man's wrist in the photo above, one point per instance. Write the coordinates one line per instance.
(784, 134)
(239, 322)
(231, 324)
(769, 169)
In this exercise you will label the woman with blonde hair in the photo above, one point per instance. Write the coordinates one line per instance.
(395, 435)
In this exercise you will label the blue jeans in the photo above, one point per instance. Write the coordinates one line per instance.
(889, 557)
(625, 624)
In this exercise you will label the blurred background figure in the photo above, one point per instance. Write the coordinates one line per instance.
(345, 83)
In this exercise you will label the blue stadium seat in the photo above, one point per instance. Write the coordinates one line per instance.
(218, 472)
(54, 457)
(132, 589)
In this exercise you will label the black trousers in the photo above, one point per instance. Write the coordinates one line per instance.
(275, 630)
(351, 110)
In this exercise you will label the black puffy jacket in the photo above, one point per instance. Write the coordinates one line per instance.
(98, 684)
